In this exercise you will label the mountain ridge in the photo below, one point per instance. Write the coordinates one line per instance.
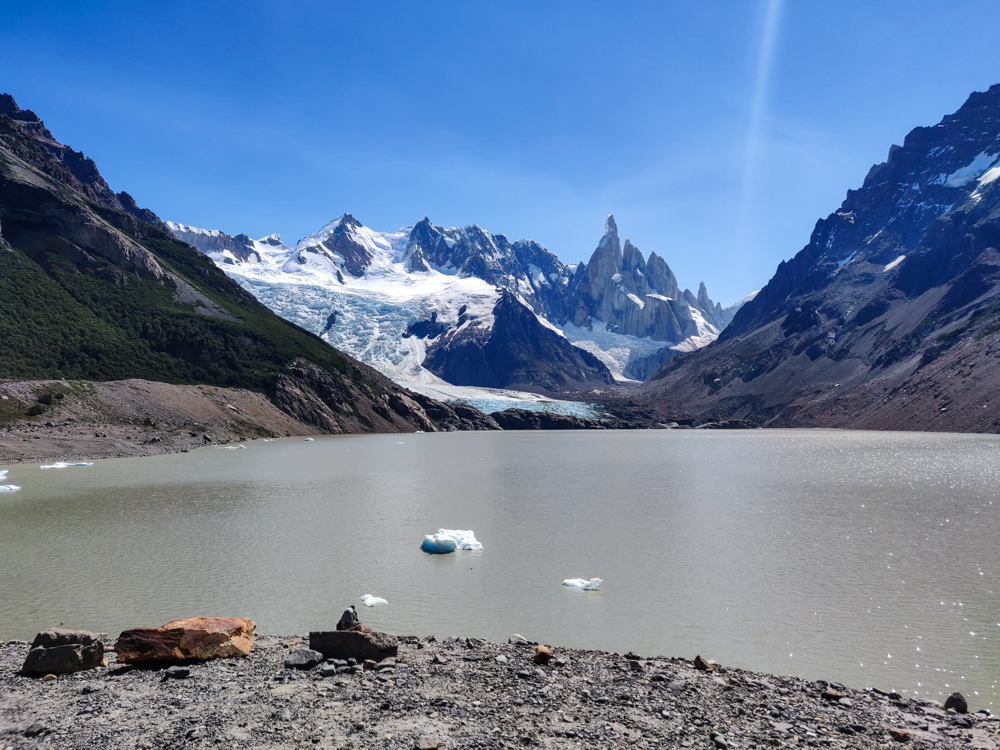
(628, 313)
(889, 316)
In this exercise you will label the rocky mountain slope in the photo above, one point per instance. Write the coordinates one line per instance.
(389, 298)
(890, 316)
(94, 288)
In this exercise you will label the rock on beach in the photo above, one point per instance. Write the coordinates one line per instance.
(190, 639)
(349, 644)
(61, 651)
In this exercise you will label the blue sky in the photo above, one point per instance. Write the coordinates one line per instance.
(717, 133)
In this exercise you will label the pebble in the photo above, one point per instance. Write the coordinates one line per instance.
(92, 687)
(176, 673)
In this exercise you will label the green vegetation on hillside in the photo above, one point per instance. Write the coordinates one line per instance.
(58, 321)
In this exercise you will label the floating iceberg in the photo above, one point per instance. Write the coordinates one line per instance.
(448, 540)
(438, 544)
(307, 440)
(236, 447)
(3, 474)
(370, 601)
(583, 583)
(8, 487)
(62, 465)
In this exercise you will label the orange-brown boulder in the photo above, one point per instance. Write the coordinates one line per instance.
(191, 639)
(703, 664)
(542, 655)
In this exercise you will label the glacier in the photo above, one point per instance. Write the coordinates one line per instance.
(361, 290)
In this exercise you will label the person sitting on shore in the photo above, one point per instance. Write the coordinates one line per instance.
(349, 621)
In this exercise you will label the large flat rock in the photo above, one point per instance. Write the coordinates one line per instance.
(347, 644)
(190, 639)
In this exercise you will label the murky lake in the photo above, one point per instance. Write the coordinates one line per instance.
(867, 558)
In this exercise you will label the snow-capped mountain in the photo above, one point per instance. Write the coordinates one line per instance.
(420, 303)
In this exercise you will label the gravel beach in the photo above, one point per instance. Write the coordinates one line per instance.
(458, 693)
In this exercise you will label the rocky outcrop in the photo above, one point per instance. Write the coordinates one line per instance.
(60, 651)
(513, 350)
(451, 417)
(68, 228)
(345, 243)
(348, 644)
(228, 249)
(638, 299)
(190, 639)
(338, 403)
(523, 419)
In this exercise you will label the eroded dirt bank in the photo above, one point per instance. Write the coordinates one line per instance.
(458, 694)
(83, 420)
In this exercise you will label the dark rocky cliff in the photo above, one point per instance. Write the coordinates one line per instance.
(516, 350)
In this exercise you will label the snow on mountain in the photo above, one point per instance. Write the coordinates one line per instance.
(388, 297)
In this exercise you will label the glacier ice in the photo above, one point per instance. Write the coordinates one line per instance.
(448, 540)
(370, 601)
(583, 583)
(367, 311)
(307, 440)
(3, 474)
(9, 487)
(438, 544)
(63, 465)
(464, 539)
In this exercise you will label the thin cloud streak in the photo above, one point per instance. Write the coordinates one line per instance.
(758, 107)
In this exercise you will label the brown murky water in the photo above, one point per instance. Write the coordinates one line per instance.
(868, 558)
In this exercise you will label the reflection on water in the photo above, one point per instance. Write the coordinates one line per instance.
(868, 558)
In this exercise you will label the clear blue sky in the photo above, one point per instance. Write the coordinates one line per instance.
(717, 133)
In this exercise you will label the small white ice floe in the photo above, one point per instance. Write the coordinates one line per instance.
(370, 601)
(3, 474)
(9, 487)
(448, 540)
(236, 447)
(63, 465)
(583, 583)
(307, 440)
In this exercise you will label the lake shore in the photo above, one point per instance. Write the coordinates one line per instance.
(462, 693)
(80, 420)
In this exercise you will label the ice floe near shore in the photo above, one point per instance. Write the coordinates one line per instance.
(370, 601)
(63, 465)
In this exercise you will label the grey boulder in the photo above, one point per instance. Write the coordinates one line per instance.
(351, 644)
(60, 651)
(303, 658)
